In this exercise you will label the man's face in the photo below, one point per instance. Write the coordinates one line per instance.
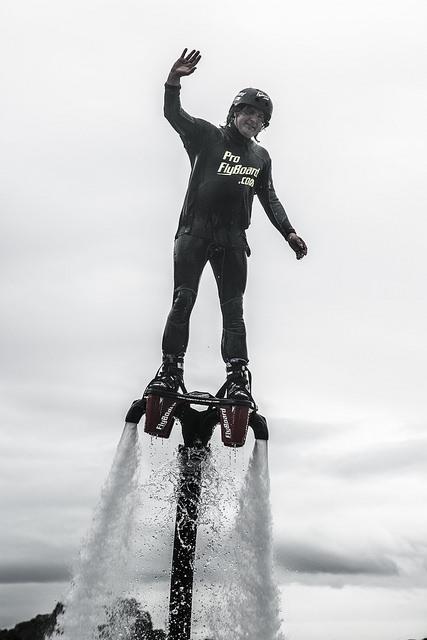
(249, 121)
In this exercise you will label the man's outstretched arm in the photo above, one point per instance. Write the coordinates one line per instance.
(182, 122)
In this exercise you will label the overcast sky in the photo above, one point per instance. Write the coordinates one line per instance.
(92, 182)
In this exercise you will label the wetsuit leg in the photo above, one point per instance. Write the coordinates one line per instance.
(190, 257)
(230, 269)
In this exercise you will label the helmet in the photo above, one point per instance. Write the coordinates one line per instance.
(255, 98)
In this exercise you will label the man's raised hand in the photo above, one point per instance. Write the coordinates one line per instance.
(184, 66)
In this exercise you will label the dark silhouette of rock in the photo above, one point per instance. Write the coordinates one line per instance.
(34, 629)
(138, 624)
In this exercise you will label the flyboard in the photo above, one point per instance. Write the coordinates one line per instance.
(162, 408)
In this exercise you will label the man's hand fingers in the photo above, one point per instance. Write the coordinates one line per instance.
(193, 55)
(190, 57)
(194, 59)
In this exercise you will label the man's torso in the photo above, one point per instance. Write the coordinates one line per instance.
(224, 175)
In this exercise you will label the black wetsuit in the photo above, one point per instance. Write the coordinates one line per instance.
(227, 169)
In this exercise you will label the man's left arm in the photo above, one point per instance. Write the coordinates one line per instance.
(276, 212)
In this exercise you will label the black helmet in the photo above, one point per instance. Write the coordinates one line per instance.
(255, 98)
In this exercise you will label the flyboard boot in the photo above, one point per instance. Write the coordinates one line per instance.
(234, 418)
(161, 404)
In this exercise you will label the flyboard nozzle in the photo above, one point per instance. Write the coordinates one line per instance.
(136, 411)
(259, 426)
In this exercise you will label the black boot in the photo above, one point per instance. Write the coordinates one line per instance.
(170, 376)
(238, 379)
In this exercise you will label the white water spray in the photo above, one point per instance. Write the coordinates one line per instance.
(248, 606)
(101, 574)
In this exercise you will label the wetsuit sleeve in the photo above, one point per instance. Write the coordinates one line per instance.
(271, 203)
(190, 129)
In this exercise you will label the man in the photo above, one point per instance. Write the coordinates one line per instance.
(227, 169)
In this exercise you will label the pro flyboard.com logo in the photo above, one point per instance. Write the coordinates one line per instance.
(232, 167)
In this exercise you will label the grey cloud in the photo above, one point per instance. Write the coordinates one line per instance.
(20, 573)
(295, 432)
(315, 560)
(14, 573)
(410, 455)
(298, 439)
